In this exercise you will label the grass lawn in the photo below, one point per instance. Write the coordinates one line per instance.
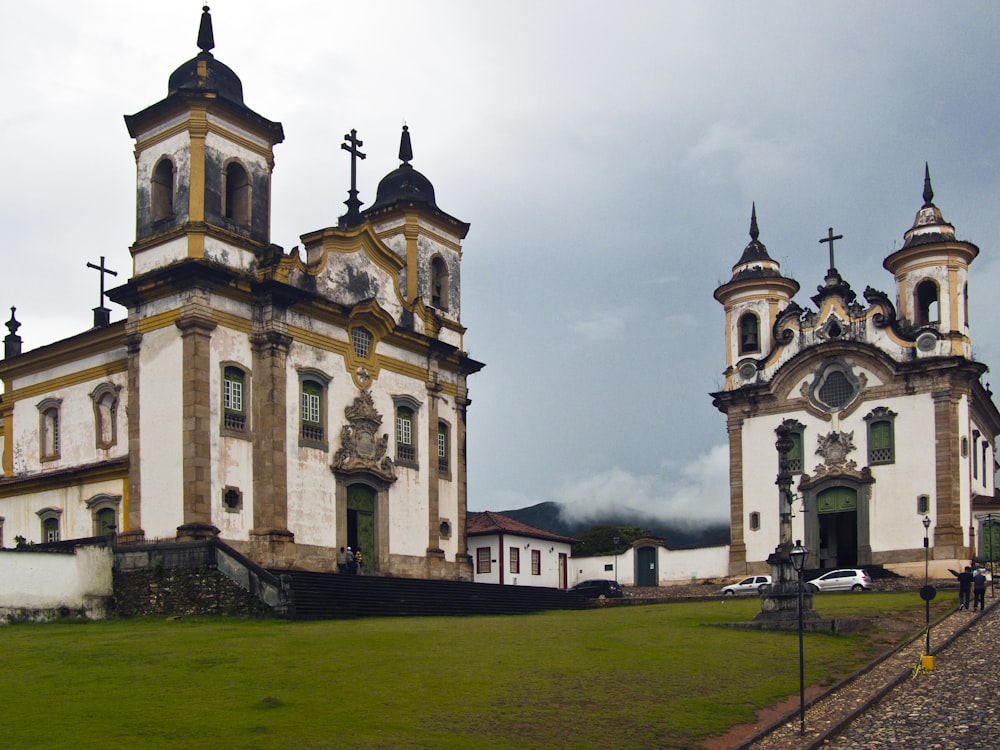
(625, 677)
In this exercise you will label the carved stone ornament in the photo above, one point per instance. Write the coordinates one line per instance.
(361, 448)
(833, 449)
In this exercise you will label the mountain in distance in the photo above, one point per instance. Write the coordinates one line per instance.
(549, 516)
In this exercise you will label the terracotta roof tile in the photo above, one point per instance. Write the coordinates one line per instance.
(488, 522)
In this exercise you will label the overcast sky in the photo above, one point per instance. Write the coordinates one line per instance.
(605, 154)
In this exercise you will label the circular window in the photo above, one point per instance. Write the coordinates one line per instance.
(834, 388)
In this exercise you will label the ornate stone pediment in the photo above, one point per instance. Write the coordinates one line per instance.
(833, 449)
(361, 448)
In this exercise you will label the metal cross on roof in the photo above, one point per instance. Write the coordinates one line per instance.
(352, 146)
(103, 271)
(830, 237)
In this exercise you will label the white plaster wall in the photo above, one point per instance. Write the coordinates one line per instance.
(229, 125)
(38, 580)
(161, 380)
(618, 567)
(493, 542)
(228, 255)
(161, 255)
(672, 566)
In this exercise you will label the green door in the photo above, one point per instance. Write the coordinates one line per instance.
(838, 527)
(361, 522)
(645, 567)
(989, 542)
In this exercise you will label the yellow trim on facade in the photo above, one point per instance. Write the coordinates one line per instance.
(198, 128)
(158, 321)
(36, 483)
(65, 381)
(229, 320)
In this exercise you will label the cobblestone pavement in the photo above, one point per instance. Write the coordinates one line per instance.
(953, 707)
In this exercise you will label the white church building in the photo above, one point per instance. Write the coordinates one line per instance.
(288, 403)
(889, 418)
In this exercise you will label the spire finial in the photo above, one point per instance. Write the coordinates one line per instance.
(206, 40)
(405, 149)
(12, 324)
(12, 342)
(928, 190)
(754, 231)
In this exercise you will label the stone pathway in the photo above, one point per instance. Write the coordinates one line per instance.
(889, 706)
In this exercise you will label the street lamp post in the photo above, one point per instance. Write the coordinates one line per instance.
(798, 556)
(927, 592)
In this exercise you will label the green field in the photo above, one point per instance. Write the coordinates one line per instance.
(625, 677)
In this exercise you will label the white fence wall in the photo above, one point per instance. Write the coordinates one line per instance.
(41, 585)
(673, 566)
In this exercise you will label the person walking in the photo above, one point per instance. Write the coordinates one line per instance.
(979, 590)
(964, 586)
(359, 561)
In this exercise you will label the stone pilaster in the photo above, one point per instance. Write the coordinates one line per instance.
(196, 326)
(461, 477)
(433, 485)
(948, 511)
(737, 521)
(270, 450)
(132, 515)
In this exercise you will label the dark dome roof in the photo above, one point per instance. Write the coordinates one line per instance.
(404, 183)
(218, 77)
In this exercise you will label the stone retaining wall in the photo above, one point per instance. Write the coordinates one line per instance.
(192, 591)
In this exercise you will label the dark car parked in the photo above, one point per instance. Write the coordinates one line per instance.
(598, 589)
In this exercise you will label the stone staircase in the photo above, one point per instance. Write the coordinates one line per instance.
(326, 596)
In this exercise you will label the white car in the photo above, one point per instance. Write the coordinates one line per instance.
(749, 585)
(844, 579)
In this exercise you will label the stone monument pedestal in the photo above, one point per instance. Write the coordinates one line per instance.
(779, 604)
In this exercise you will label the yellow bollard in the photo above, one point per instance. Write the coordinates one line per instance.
(927, 662)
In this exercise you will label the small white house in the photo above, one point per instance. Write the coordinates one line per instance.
(513, 553)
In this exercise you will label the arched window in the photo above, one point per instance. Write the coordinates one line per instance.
(443, 448)
(881, 436)
(362, 340)
(749, 333)
(927, 304)
(48, 429)
(237, 208)
(161, 193)
(439, 283)
(755, 521)
(794, 459)
(104, 512)
(105, 400)
(312, 413)
(406, 436)
(234, 411)
(50, 524)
